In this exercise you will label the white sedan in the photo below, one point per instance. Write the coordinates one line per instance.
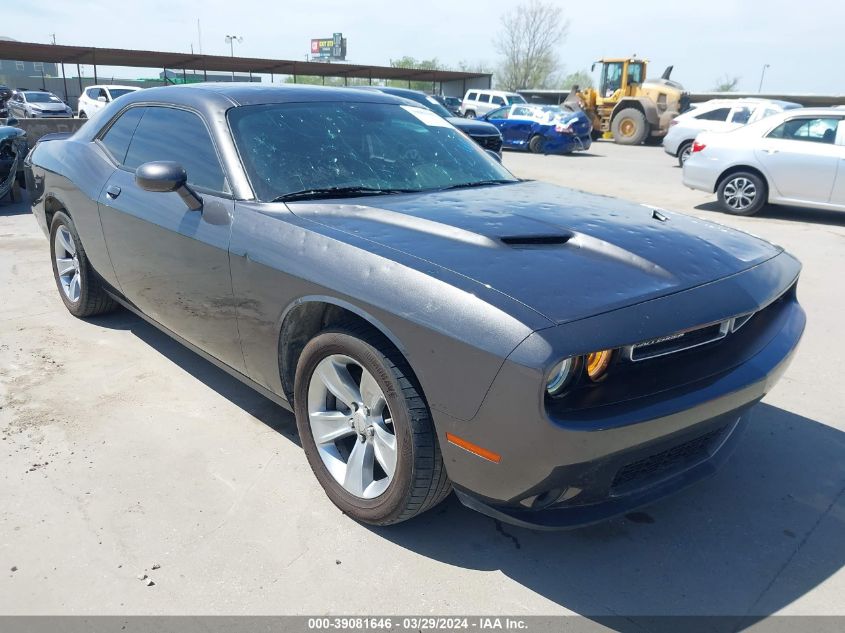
(95, 98)
(795, 158)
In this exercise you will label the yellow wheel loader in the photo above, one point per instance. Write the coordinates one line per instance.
(628, 108)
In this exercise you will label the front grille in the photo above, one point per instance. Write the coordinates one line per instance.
(492, 142)
(666, 462)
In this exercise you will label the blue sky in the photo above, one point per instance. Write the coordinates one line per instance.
(704, 40)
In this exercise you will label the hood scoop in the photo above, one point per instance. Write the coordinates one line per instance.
(529, 241)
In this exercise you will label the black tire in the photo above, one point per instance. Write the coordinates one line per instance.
(92, 296)
(629, 127)
(82, 114)
(732, 199)
(596, 134)
(469, 114)
(420, 481)
(683, 152)
(535, 144)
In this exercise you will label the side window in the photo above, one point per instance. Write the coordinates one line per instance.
(91, 93)
(117, 137)
(180, 136)
(102, 93)
(741, 115)
(484, 98)
(498, 100)
(719, 114)
(499, 113)
(472, 96)
(818, 130)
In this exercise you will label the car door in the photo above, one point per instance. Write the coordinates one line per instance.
(520, 126)
(500, 118)
(837, 196)
(800, 157)
(17, 107)
(172, 262)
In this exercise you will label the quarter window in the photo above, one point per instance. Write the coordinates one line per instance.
(817, 130)
(116, 139)
(180, 136)
(719, 114)
(91, 93)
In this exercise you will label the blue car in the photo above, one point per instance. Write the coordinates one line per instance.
(542, 129)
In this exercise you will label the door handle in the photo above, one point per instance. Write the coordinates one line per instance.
(113, 191)
(771, 151)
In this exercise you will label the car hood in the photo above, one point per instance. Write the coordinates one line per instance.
(49, 107)
(564, 253)
(473, 126)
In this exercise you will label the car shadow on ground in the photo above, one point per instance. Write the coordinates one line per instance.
(792, 214)
(263, 409)
(744, 544)
(721, 547)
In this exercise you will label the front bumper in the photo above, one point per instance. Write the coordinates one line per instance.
(567, 471)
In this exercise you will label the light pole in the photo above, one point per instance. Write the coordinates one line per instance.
(230, 40)
(763, 74)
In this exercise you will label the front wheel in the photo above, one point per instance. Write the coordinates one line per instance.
(469, 114)
(366, 429)
(82, 115)
(629, 127)
(742, 193)
(79, 287)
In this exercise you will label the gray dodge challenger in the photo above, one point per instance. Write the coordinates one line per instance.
(434, 322)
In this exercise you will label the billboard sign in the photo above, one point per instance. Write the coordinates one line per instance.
(329, 47)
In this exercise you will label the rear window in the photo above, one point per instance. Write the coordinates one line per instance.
(516, 99)
(719, 114)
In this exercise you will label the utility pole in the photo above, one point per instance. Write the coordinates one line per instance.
(53, 35)
(230, 40)
(763, 74)
(199, 36)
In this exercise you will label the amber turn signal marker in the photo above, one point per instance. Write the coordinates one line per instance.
(597, 363)
(473, 448)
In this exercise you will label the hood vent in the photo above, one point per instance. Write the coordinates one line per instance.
(536, 240)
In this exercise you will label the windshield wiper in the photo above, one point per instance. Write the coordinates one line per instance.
(479, 183)
(338, 192)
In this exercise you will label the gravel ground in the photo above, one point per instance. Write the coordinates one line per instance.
(136, 478)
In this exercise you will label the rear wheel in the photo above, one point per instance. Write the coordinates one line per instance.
(82, 114)
(535, 144)
(629, 127)
(366, 429)
(742, 193)
(79, 287)
(684, 153)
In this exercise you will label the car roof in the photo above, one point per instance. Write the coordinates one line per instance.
(110, 86)
(241, 94)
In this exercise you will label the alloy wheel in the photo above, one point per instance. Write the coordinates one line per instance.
(740, 193)
(67, 264)
(352, 426)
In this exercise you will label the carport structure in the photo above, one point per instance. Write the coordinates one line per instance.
(93, 56)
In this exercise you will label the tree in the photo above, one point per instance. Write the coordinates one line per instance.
(412, 63)
(580, 79)
(726, 83)
(527, 42)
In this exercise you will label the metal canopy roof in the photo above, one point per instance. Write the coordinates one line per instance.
(33, 52)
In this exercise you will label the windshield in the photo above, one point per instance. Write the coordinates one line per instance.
(515, 99)
(41, 97)
(294, 147)
(119, 92)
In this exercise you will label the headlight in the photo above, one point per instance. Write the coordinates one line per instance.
(561, 375)
(597, 364)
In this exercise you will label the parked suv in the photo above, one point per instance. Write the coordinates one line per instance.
(95, 98)
(37, 104)
(479, 102)
(717, 115)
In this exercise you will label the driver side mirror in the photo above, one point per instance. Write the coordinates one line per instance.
(167, 176)
(101, 98)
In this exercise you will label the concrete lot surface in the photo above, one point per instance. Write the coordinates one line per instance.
(120, 450)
